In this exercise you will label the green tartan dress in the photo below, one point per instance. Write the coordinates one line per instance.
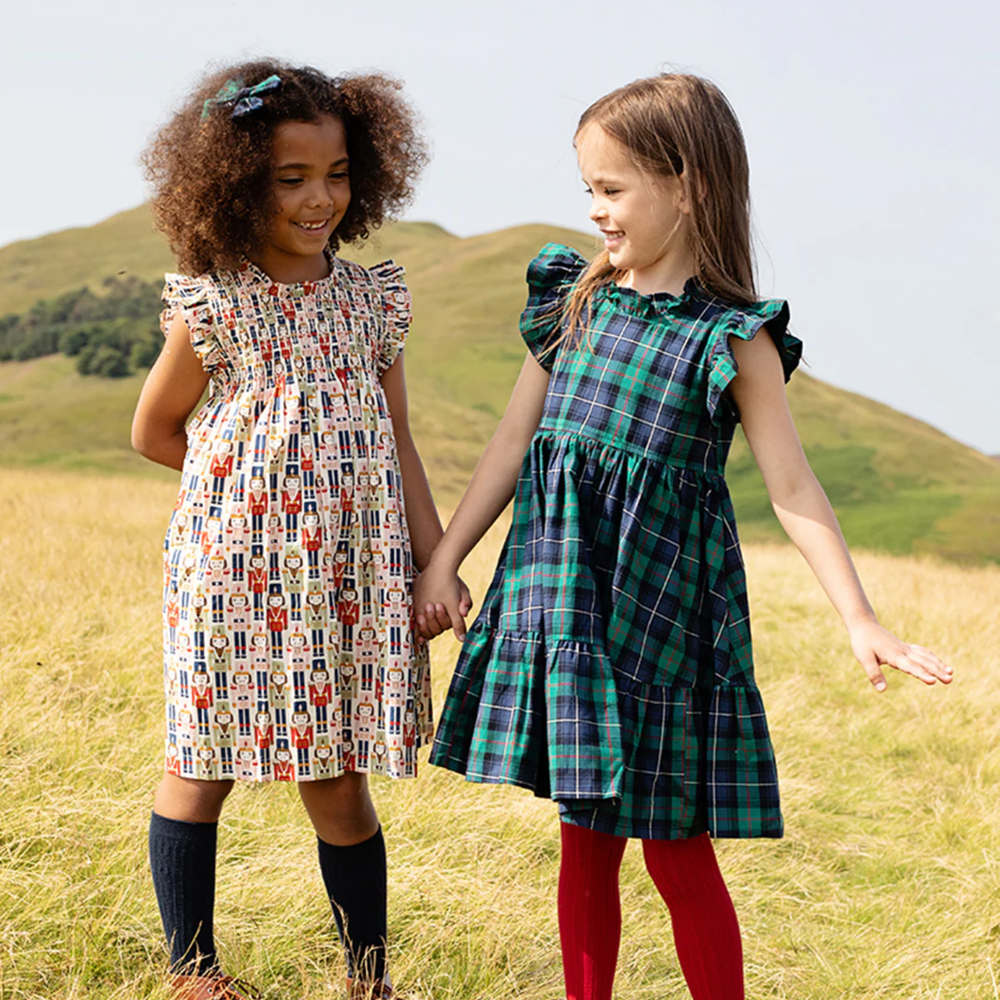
(610, 667)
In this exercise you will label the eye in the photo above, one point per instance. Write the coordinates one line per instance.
(611, 191)
(339, 175)
(290, 181)
(587, 190)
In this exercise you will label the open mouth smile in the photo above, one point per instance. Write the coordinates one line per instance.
(313, 227)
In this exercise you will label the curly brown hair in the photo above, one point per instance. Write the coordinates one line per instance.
(211, 176)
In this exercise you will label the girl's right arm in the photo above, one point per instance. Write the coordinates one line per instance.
(171, 391)
(489, 492)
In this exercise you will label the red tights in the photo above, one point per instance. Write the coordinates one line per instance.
(687, 876)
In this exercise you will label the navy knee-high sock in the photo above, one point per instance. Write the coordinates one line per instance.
(182, 859)
(355, 880)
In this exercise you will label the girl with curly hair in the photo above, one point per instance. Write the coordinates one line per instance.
(290, 554)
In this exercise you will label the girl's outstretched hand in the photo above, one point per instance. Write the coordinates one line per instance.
(441, 600)
(876, 647)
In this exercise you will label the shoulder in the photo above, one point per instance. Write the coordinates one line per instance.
(743, 321)
(189, 298)
(555, 266)
(186, 287)
(551, 275)
(194, 299)
(754, 315)
(349, 270)
(385, 274)
(187, 290)
(391, 300)
(388, 276)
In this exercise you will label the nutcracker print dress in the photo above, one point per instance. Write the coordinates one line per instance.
(287, 641)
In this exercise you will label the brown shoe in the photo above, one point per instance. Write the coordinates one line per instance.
(214, 986)
(381, 989)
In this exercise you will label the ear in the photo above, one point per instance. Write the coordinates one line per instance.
(682, 194)
(692, 179)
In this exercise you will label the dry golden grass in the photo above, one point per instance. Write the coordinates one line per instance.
(886, 886)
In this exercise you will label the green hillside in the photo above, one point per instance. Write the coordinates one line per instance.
(897, 484)
(44, 267)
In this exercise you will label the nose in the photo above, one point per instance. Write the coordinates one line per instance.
(597, 211)
(320, 195)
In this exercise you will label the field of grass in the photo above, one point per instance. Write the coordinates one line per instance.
(886, 887)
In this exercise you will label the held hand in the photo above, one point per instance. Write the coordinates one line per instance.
(876, 647)
(464, 599)
(430, 622)
(441, 600)
(443, 616)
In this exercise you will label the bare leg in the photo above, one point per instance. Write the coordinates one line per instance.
(341, 810)
(189, 800)
(352, 860)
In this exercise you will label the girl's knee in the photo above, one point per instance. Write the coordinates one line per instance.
(190, 800)
(348, 792)
(341, 809)
(683, 870)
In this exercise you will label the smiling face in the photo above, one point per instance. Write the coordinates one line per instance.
(642, 216)
(312, 190)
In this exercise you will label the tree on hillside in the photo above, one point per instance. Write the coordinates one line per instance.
(110, 334)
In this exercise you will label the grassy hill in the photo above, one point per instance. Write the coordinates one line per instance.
(897, 484)
(43, 267)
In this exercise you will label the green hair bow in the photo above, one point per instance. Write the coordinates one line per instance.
(244, 100)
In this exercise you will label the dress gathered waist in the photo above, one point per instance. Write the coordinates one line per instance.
(592, 441)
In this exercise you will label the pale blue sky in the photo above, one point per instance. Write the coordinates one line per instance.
(872, 129)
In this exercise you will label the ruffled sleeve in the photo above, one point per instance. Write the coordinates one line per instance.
(398, 307)
(551, 275)
(188, 297)
(744, 322)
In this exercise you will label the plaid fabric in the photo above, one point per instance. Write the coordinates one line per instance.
(610, 667)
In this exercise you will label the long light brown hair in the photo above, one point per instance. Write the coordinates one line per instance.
(677, 125)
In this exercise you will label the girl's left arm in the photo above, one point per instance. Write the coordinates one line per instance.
(807, 517)
(169, 395)
(421, 514)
